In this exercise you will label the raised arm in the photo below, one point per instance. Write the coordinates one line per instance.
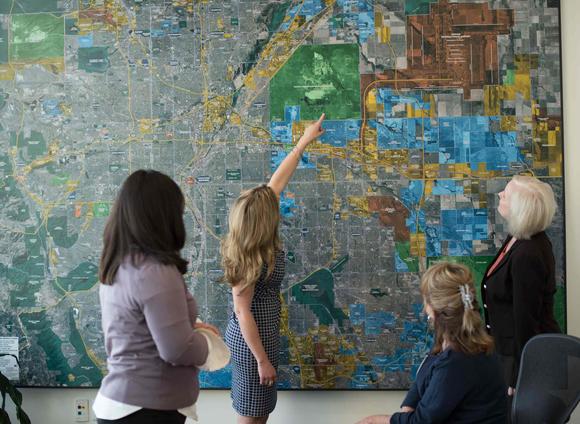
(286, 169)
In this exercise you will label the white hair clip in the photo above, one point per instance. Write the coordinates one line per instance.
(466, 296)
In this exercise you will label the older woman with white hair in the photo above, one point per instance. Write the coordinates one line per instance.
(518, 286)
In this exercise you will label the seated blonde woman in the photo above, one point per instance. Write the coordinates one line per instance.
(460, 381)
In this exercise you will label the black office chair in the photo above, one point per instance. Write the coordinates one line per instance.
(548, 387)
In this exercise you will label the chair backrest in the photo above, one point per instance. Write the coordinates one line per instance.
(548, 387)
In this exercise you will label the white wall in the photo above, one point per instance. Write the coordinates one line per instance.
(55, 406)
(571, 86)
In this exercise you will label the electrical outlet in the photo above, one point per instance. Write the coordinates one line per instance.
(81, 410)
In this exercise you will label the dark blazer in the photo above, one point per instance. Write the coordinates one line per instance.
(518, 297)
(453, 387)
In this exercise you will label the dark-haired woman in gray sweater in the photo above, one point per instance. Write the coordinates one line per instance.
(148, 315)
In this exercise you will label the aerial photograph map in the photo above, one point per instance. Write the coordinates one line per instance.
(431, 107)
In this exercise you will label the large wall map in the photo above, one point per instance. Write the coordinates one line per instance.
(431, 107)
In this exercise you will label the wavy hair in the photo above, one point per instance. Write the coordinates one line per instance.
(146, 221)
(252, 239)
(457, 317)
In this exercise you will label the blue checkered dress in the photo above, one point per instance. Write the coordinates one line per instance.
(249, 397)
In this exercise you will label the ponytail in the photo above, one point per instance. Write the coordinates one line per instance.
(448, 289)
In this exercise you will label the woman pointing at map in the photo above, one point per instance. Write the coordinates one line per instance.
(253, 262)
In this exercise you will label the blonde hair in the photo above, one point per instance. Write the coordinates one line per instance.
(252, 240)
(448, 289)
(532, 207)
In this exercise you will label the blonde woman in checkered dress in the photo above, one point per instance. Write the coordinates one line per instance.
(253, 263)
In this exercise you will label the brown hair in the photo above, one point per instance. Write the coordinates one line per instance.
(146, 221)
(448, 289)
(252, 239)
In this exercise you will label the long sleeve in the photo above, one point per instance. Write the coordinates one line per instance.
(191, 307)
(165, 305)
(529, 275)
(412, 397)
(440, 399)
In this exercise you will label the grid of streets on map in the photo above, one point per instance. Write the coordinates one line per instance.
(431, 106)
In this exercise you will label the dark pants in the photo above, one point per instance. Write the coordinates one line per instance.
(507, 364)
(148, 416)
